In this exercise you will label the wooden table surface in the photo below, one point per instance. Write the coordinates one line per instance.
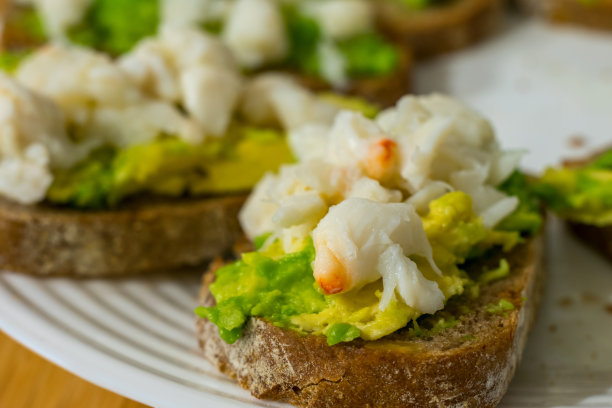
(29, 381)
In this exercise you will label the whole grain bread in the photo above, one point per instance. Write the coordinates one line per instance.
(145, 235)
(596, 14)
(439, 29)
(468, 365)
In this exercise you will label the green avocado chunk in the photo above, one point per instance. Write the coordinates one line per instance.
(170, 167)
(580, 194)
(115, 26)
(10, 60)
(280, 287)
(527, 217)
(365, 55)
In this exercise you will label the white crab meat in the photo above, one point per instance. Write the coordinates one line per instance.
(491, 204)
(33, 139)
(357, 141)
(189, 47)
(272, 99)
(141, 123)
(256, 104)
(59, 15)
(296, 107)
(443, 141)
(151, 66)
(309, 142)
(340, 19)
(361, 241)
(77, 77)
(371, 189)
(191, 68)
(210, 95)
(332, 64)
(255, 32)
(272, 206)
(95, 93)
(191, 13)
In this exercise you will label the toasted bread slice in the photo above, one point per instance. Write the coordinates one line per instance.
(145, 235)
(468, 365)
(439, 29)
(595, 15)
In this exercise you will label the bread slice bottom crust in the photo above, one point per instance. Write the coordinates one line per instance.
(599, 238)
(597, 15)
(469, 365)
(438, 30)
(146, 235)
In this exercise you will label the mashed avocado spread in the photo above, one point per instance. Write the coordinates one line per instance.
(280, 287)
(171, 167)
(367, 54)
(580, 194)
(115, 26)
(9, 61)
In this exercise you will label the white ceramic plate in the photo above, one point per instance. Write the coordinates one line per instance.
(539, 85)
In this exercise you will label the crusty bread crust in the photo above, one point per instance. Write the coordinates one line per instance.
(596, 15)
(384, 91)
(146, 235)
(438, 30)
(450, 369)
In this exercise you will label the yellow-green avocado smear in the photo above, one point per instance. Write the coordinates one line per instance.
(172, 168)
(582, 194)
(280, 287)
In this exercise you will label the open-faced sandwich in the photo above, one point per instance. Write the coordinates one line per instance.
(138, 163)
(589, 13)
(432, 27)
(331, 43)
(581, 193)
(398, 264)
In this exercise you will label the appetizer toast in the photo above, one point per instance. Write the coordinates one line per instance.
(578, 192)
(145, 167)
(593, 14)
(470, 364)
(439, 28)
(399, 263)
